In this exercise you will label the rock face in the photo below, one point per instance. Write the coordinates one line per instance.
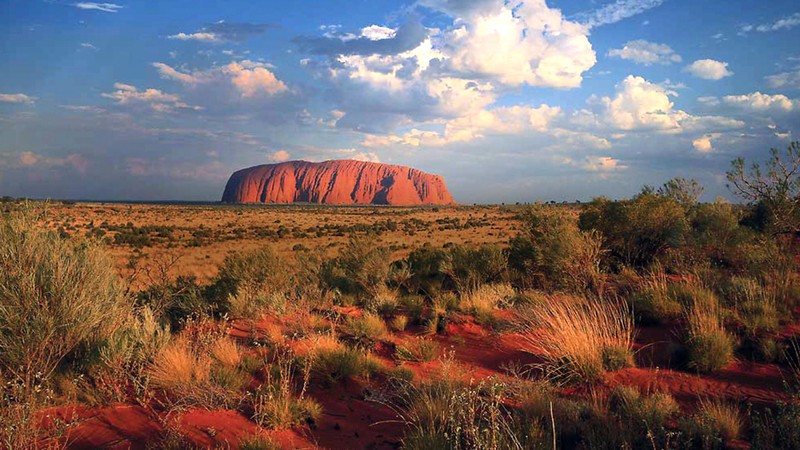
(343, 182)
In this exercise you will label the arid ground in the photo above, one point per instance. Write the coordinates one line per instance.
(436, 327)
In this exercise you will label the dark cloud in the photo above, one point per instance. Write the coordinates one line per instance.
(236, 32)
(408, 36)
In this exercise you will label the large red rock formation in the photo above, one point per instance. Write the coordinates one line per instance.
(336, 183)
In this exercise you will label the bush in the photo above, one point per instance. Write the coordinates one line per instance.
(551, 252)
(716, 421)
(468, 268)
(580, 339)
(753, 305)
(638, 230)
(709, 346)
(361, 269)
(58, 296)
(251, 279)
(776, 429)
(418, 349)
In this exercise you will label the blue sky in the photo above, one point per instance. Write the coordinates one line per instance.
(508, 100)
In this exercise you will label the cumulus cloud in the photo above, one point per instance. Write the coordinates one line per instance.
(17, 98)
(709, 69)
(105, 7)
(279, 156)
(531, 44)
(758, 102)
(643, 52)
(703, 144)
(617, 11)
(249, 78)
(788, 80)
(222, 31)
(155, 99)
(640, 104)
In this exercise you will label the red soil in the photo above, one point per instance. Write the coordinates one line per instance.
(355, 417)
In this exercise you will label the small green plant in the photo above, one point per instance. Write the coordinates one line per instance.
(276, 405)
(709, 347)
(258, 442)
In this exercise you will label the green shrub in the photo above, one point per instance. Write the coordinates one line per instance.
(361, 269)
(754, 306)
(258, 442)
(776, 429)
(654, 300)
(251, 278)
(709, 347)
(551, 252)
(469, 267)
(58, 296)
(638, 230)
(342, 363)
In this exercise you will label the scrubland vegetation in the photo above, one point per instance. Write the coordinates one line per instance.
(576, 293)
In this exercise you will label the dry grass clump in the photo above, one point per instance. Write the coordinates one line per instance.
(334, 362)
(486, 298)
(418, 349)
(194, 373)
(709, 347)
(367, 329)
(580, 339)
(723, 417)
(398, 323)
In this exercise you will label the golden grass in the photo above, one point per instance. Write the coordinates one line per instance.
(709, 346)
(574, 335)
(487, 298)
(179, 367)
(724, 418)
(227, 352)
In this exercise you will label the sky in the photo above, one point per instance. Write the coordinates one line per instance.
(510, 101)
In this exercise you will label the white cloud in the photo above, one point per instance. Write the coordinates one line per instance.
(788, 80)
(247, 77)
(709, 69)
(617, 11)
(17, 98)
(105, 7)
(531, 44)
(703, 144)
(155, 99)
(199, 36)
(758, 102)
(367, 156)
(88, 45)
(602, 164)
(640, 104)
(280, 156)
(784, 23)
(378, 32)
(647, 53)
